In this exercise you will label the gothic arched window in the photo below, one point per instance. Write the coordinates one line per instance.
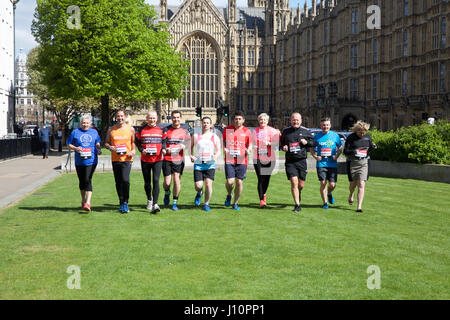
(203, 88)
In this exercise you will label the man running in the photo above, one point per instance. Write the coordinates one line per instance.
(295, 141)
(207, 149)
(149, 142)
(236, 144)
(175, 140)
(120, 141)
(328, 147)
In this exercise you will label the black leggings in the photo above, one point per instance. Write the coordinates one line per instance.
(263, 177)
(122, 178)
(85, 174)
(147, 169)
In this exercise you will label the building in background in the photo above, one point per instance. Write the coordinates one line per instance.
(6, 67)
(319, 60)
(28, 110)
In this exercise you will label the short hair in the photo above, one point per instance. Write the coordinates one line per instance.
(86, 116)
(239, 114)
(361, 125)
(121, 110)
(264, 115)
(325, 119)
(175, 111)
(210, 120)
(295, 113)
(152, 112)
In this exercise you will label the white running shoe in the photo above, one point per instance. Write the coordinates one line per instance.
(149, 204)
(156, 209)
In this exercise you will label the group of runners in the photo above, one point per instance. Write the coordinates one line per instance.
(165, 150)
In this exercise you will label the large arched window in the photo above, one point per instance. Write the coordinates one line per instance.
(203, 88)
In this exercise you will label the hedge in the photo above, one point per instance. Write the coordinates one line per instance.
(420, 144)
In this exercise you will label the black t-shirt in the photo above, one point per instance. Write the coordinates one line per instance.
(296, 150)
(358, 148)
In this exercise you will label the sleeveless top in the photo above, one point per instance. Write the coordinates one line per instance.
(121, 139)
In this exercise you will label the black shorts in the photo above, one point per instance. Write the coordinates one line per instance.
(200, 175)
(325, 173)
(296, 169)
(170, 167)
(233, 170)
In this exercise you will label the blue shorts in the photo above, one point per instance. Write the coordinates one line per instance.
(233, 170)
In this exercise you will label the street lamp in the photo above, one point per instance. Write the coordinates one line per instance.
(241, 27)
(14, 2)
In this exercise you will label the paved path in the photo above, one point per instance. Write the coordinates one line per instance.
(21, 176)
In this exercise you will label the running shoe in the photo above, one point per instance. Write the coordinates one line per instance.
(156, 209)
(125, 208)
(330, 198)
(359, 210)
(167, 198)
(264, 198)
(206, 207)
(262, 203)
(121, 208)
(236, 207)
(86, 207)
(297, 208)
(198, 198)
(149, 204)
(174, 207)
(228, 201)
(325, 206)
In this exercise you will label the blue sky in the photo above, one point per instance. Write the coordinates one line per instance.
(25, 11)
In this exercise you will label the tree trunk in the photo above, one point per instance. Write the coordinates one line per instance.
(105, 117)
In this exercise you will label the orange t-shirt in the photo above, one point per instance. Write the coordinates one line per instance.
(121, 139)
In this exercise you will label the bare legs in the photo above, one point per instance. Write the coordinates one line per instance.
(360, 184)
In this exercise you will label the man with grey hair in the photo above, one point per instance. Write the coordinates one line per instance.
(295, 141)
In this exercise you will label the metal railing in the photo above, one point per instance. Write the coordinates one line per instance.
(11, 148)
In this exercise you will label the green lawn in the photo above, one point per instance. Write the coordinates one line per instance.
(254, 254)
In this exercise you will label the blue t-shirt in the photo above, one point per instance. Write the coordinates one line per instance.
(325, 145)
(87, 140)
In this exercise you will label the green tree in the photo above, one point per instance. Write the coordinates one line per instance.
(118, 51)
(63, 109)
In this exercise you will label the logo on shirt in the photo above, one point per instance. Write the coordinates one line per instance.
(85, 139)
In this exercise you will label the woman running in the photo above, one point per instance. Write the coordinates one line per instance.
(85, 141)
(265, 141)
(357, 148)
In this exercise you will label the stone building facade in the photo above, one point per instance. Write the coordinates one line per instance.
(319, 60)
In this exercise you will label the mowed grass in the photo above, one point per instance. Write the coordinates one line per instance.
(254, 254)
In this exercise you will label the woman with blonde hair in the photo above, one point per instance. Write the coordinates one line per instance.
(265, 141)
(357, 148)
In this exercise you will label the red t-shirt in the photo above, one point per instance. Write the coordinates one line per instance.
(236, 141)
(260, 138)
(151, 141)
(174, 140)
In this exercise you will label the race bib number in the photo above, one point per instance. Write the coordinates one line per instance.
(325, 152)
(294, 147)
(205, 157)
(235, 152)
(262, 151)
(86, 153)
(362, 153)
(175, 149)
(150, 150)
(121, 149)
